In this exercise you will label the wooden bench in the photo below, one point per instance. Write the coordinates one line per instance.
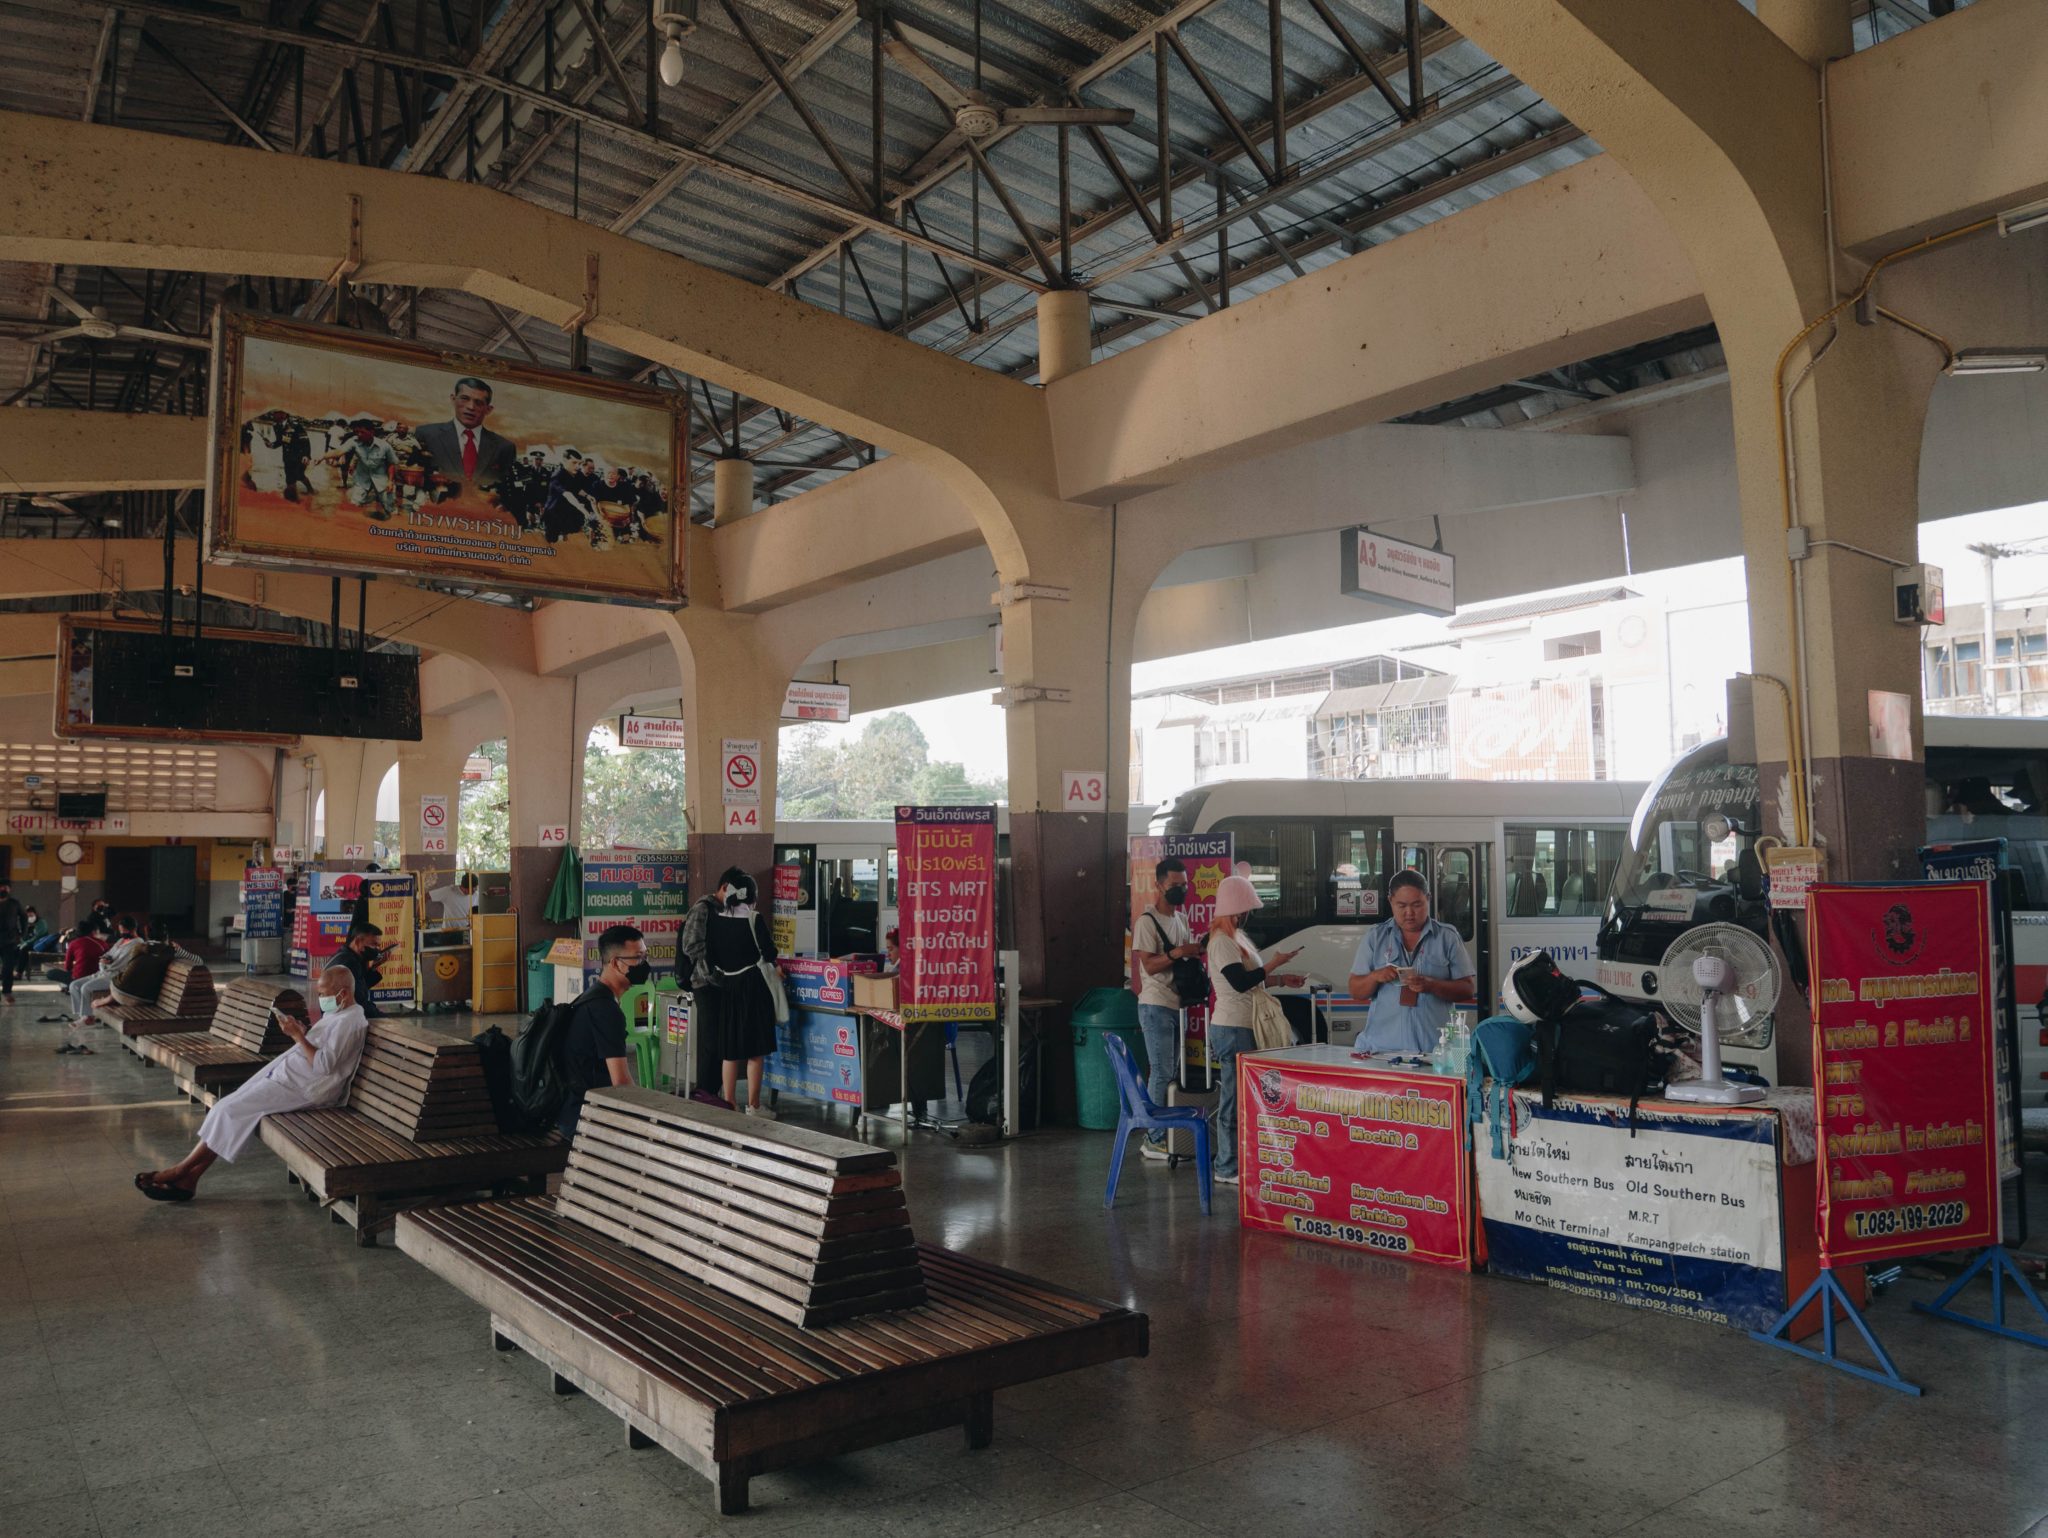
(630, 1287)
(417, 1128)
(243, 1037)
(185, 1001)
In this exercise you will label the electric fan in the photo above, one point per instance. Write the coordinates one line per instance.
(1721, 982)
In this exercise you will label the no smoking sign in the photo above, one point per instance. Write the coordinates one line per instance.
(740, 771)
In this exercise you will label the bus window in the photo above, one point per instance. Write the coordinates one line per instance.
(1560, 871)
(1360, 861)
(1284, 872)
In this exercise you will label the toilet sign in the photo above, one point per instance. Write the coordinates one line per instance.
(1084, 790)
(554, 835)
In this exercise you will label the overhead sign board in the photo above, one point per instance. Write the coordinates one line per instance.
(336, 451)
(651, 732)
(817, 702)
(1396, 573)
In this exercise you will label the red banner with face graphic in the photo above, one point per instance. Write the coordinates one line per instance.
(1903, 1068)
(1367, 1158)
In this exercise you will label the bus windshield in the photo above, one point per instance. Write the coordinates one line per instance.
(1977, 793)
(1669, 843)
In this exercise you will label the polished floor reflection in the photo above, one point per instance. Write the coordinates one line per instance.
(238, 1366)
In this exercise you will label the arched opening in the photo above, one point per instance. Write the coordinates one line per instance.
(387, 844)
(320, 821)
(483, 819)
(633, 795)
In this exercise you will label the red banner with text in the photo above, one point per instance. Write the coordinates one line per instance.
(1903, 1068)
(946, 912)
(1367, 1158)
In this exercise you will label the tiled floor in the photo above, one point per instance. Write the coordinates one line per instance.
(238, 1366)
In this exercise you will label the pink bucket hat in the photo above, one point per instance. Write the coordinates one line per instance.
(1235, 895)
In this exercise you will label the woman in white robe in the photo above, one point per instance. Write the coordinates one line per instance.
(313, 1072)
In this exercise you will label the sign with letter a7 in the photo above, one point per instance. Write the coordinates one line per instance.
(1084, 790)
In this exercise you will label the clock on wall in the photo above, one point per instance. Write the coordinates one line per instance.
(70, 852)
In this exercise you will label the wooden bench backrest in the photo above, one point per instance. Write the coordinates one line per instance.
(243, 1018)
(810, 1227)
(422, 1085)
(187, 989)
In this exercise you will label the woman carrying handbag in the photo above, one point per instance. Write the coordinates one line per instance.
(741, 1029)
(1239, 976)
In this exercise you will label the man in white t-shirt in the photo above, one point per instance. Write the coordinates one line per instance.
(1159, 939)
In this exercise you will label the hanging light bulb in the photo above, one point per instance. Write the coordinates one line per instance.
(675, 24)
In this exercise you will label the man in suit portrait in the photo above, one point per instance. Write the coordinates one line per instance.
(464, 449)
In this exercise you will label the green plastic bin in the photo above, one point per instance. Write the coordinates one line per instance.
(1100, 1010)
(540, 980)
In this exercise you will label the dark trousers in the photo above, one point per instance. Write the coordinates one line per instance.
(10, 962)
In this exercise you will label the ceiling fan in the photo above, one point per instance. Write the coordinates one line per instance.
(92, 322)
(974, 115)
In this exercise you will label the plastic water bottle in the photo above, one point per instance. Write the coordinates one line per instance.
(1440, 1059)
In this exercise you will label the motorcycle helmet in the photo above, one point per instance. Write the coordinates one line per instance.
(1536, 991)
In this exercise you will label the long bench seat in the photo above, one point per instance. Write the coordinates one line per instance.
(709, 1362)
(185, 1002)
(243, 1037)
(417, 1127)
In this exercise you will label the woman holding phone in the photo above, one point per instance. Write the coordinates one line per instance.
(1411, 968)
(1236, 971)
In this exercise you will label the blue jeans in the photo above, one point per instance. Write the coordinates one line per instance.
(1162, 1048)
(1226, 1041)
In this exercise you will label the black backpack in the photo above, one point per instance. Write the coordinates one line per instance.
(985, 1092)
(533, 1084)
(1605, 1046)
(1189, 977)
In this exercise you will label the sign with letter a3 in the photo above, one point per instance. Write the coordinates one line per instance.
(1084, 790)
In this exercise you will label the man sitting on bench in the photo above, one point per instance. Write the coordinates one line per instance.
(313, 1073)
(85, 989)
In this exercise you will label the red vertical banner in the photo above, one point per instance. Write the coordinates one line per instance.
(1903, 1069)
(946, 912)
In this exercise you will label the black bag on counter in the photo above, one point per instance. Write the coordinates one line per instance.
(1606, 1046)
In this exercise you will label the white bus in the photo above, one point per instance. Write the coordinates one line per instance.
(1514, 866)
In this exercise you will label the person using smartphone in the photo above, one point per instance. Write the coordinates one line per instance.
(1411, 969)
(362, 954)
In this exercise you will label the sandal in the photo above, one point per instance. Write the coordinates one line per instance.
(160, 1193)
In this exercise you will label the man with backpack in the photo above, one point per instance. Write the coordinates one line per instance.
(592, 1053)
(1173, 980)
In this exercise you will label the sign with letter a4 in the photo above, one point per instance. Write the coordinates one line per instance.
(742, 819)
(1084, 790)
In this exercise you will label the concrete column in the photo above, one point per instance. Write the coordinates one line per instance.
(732, 489)
(1816, 30)
(430, 767)
(544, 758)
(345, 765)
(1065, 339)
(733, 686)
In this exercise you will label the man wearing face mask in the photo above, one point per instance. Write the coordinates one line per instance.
(361, 954)
(594, 1050)
(1159, 939)
(313, 1072)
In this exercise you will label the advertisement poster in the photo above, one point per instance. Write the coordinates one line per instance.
(339, 451)
(1207, 857)
(649, 890)
(946, 912)
(822, 982)
(1679, 1213)
(391, 910)
(788, 891)
(1987, 860)
(1367, 1158)
(817, 1057)
(1903, 1066)
(263, 903)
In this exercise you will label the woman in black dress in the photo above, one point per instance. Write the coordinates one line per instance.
(742, 1024)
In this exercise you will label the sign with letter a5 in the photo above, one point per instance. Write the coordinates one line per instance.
(554, 835)
(1083, 790)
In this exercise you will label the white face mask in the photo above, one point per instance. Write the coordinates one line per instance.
(329, 1004)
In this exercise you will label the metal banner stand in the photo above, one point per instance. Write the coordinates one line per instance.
(1993, 1258)
(1830, 1292)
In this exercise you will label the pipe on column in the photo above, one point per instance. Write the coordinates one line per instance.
(1064, 336)
(732, 489)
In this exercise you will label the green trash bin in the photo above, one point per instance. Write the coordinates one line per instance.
(1100, 1010)
(540, 981)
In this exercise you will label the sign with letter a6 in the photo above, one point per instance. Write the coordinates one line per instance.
(1084, 790)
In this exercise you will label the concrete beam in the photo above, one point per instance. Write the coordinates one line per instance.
(53, 451)
(1941, 125)
(1575, 264)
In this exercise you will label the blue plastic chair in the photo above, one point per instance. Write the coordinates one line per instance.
(1139, 1114)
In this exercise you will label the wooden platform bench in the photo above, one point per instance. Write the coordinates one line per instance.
(665, 1279)
(186, 1002)
(244, 1037)
(417, 1129)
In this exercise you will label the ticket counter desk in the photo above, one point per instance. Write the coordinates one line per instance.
(1703, 1212)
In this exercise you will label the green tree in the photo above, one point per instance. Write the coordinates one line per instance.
(889, 763)
(632, 795)
(483, 815)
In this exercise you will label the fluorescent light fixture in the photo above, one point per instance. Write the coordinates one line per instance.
(1999, 360)
(2028, 216)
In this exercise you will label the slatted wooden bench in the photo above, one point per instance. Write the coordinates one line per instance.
(629, 1287)
(243, 1037)
(417, 1128)
(186, 1002)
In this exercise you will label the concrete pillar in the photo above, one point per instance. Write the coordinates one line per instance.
(544, 760)
(732, 489)
(348, 772)
(430, 767)
(1065, 340)
(733, 687)
(1816, 30)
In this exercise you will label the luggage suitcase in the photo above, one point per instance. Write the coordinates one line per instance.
(1180, 1141)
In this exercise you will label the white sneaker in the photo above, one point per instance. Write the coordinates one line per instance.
(763, 1112)
(1218, 1177)
(1154, 1151)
